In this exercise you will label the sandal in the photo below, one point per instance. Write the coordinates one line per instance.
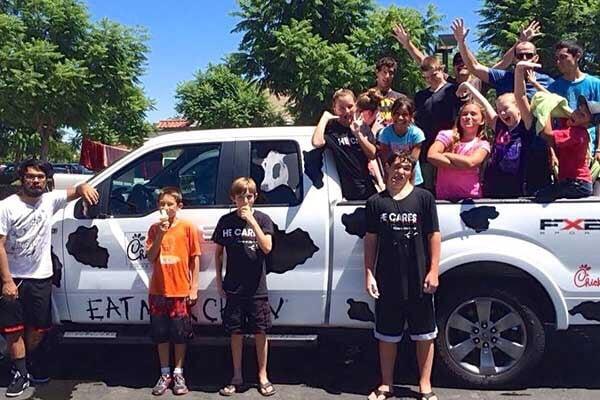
(266, 389)
(230, 389)
(428, 396)
(385, 393)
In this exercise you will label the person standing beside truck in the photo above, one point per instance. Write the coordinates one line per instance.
(246, 235)
(352, 143)
(26, 268)
(174, 251)
(402, 252)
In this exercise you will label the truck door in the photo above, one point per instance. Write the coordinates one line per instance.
(106, 270)
(297, 266)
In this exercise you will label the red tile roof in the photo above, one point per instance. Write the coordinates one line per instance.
(173, 123)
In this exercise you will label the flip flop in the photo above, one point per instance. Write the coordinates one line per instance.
(385, 393)
(230, 389)
(428, 396)
(266, 389)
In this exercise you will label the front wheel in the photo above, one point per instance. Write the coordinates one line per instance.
(488, 337)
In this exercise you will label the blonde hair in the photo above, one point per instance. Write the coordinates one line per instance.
(172, 191)
(242, 185)
(457, 131)
(430, 63)
(507, 96)
(341, 93)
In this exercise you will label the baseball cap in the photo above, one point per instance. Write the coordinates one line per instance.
(592, 106)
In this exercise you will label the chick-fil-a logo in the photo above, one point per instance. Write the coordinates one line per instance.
(582, 277)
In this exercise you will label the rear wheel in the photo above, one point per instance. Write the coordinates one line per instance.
(488, 337)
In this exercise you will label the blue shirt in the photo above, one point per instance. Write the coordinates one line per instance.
(504, 81)
(413, 136)
(588, 87)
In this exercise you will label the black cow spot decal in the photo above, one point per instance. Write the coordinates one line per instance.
(56, 269)
(83, 245)
(356, 223)
(313, 166)
(360, 311)
(289, 250)
(478, 218)
(590, 310)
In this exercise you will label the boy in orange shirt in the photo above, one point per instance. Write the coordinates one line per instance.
(173, 248)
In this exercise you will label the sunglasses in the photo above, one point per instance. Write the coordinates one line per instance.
(524, 56)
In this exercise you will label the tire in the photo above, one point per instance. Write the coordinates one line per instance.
(492, 351)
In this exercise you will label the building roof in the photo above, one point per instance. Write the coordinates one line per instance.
(173, 123)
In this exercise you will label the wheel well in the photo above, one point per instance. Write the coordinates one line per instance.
(503, 276)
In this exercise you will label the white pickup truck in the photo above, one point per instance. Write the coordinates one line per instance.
(510, 269)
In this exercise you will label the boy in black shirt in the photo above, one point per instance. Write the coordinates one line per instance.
(402, 250)
(352, 144)
(246, 235)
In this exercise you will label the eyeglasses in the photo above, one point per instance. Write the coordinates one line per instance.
(31, 177)
(524, 56)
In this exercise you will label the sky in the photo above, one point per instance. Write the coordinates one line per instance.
(187, 35)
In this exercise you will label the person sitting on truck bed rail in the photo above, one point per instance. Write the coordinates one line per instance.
(352, 144)
(246, 235)
(402, 135)
(174, 251)
(458, 155)
(401, 256)
(570, 142)
(26, 268)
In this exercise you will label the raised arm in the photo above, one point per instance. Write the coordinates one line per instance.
(527, 35)
(521, 91)
(365, 137)
(318, 138)
(466, 88)
(403, 37)
(460, 34)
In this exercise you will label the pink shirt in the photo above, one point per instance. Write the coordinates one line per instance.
(453, 184)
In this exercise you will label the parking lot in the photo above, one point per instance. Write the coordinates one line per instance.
(568, 371)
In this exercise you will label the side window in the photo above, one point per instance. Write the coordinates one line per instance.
(194, 169)
(275, 166)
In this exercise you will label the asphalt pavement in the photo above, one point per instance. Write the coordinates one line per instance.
(569, 370)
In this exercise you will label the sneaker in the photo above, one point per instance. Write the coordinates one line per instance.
(17, 386)
(179, 386)
(162, 385)
(37, 373)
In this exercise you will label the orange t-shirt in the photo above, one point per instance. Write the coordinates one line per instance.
(172, 274)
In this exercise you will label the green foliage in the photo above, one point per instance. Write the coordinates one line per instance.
(307, 49)
(57, 69)
(560, 19)
(219, 98)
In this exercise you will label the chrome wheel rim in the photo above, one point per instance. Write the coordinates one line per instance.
(485, 336)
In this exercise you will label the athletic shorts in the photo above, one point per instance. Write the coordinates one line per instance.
(170, 319)
(243, 315)
(392, 315)
(31, 309)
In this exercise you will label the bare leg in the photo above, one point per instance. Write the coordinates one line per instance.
(16, 345)
(163, 354)
(32, 339)
(179, 355)
(425, 361)
(262, 349)
(237, 347)
(387, 361)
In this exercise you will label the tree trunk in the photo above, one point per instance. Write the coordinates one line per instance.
(46, 133)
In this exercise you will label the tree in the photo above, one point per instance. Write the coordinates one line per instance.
(560, 19)
(218, 98)
(307, 49)
(57, 69)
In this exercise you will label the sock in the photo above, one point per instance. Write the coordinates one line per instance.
(21, 366)
(166, 371)
(178, 371)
